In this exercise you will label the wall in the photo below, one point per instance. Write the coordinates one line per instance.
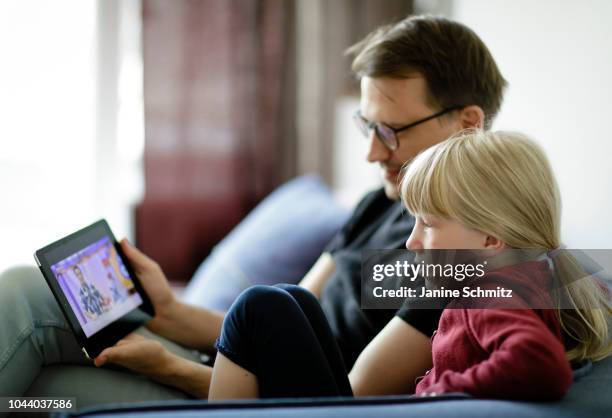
(353, 174)
(557, 56)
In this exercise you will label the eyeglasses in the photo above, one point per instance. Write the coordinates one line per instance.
(388, 135)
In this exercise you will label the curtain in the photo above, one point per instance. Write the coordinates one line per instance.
(218, 120)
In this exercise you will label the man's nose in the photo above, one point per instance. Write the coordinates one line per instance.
(377, 152)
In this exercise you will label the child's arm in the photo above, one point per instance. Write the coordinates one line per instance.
(526, 362)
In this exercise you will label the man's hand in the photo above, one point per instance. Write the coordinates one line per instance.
(150, 358)
(154, 283)
(137, 353)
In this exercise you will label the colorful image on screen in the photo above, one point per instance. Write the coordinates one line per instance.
(97, 285)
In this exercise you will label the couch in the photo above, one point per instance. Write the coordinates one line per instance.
(589, 396)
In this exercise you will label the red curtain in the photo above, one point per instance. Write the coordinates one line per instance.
(219, 117)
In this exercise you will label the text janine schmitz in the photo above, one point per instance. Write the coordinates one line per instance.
(442, 292)
(458, 272)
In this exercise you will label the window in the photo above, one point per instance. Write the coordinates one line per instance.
(64, 159)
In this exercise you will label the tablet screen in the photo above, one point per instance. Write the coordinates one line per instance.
(97, 285)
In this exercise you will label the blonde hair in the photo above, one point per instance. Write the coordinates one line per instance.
(501, 183)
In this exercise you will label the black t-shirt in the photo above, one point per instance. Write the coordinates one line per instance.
(377, 223)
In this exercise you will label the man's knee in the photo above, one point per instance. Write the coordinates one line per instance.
(21, 279)
(25, 285)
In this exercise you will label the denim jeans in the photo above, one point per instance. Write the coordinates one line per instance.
(39, 355)
(281, 335)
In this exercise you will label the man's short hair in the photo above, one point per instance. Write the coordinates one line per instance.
(457, 65)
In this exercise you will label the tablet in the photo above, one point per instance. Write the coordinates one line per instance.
(95, 286)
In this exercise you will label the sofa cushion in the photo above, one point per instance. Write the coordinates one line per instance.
(276, 243)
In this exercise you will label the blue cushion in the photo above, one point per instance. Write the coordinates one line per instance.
(276, 243)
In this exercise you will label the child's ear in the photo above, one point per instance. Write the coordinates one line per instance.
(494, 243)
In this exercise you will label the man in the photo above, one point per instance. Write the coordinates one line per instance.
(91, 299)
(422, 80)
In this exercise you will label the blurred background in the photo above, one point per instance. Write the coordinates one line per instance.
(172, 119)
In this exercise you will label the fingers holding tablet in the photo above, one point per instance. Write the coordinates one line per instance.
(140, 261)
(151, 276)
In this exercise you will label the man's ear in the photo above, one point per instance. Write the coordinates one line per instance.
(471, 117)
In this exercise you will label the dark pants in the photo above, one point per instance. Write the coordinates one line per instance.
(280, 334)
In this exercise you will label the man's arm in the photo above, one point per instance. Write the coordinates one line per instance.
(198, 328)
(392, 361)
(318, 275)
(188, 325)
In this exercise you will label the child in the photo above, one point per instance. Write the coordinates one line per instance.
(489, 191)
(496, 191)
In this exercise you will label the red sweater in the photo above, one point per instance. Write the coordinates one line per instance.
(501, 353)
